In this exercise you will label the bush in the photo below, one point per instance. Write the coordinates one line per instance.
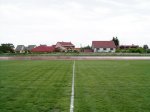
(118, 51)
(1, 52)
(148, 51)
(139, 50)
(75, 51)
(131, 50)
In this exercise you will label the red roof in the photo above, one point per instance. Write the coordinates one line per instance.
(66, 43)
(103, 44)
(43, 48)
(54, 46)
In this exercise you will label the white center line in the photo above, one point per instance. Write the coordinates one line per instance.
(72, 93)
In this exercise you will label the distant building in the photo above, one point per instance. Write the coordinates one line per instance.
(128, 46)
(64, 46)
(29, 48)
(43, 49)
(103, 46)
(77, 49)
(20, 49)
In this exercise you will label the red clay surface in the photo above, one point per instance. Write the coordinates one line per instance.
(74, 58)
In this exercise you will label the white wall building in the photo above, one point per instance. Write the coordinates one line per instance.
(103, 46)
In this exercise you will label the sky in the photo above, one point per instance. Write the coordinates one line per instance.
(24, 22)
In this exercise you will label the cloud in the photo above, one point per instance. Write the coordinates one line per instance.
(80, 21)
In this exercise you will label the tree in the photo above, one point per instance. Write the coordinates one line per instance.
(7, 48)
(86, 47)
(145, 47)
(116, 41)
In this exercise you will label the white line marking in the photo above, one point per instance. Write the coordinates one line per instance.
(72, 93)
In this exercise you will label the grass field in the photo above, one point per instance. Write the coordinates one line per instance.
(35, 86)
(100, 86)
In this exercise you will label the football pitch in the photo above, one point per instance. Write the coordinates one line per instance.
(99, 86)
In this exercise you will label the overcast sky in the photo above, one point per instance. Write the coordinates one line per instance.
(79, 21)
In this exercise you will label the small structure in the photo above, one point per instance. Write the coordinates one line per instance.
(43, 49)
(64, 46)
(20, 49)
(103, 46)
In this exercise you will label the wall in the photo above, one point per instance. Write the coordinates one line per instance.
(60, 47)
(102, 50)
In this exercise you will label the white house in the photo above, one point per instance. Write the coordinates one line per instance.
(103, 46)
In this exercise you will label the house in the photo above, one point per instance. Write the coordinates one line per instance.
(77, 49)
(43, 49)
(128, 46)
(30, 47)
(103, 46)
(64, 46)
(20, 49)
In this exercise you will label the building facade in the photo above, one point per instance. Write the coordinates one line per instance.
(103, 46)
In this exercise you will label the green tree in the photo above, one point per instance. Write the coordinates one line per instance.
(86, 47)
(7, 48)
(116, 41)
(145, 47)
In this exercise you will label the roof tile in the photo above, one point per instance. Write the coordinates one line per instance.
(103, 44)
(43, 48)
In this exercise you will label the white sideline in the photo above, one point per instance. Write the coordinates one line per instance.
(72, 93)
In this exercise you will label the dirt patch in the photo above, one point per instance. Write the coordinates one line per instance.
(73, 58)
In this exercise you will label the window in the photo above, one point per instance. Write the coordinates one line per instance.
(95, 49)
(111, 49)
(104, 49)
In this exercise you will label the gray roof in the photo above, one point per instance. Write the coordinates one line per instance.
(20, 47)
(30, 47)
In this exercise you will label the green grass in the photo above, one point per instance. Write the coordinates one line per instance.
(112, 86)
(100, 86)
(35, 86)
